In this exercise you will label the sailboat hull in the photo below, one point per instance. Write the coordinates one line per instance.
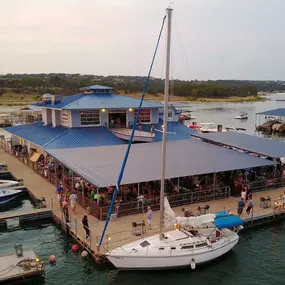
(170, 260)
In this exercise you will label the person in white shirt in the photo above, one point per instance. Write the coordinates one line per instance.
(243, 194)
(73, 201)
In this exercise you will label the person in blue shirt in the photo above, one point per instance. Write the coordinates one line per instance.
(241, 205)
(59, 191)
(249, 207)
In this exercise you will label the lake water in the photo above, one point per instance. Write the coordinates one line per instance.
(257, 259)
(224, 113)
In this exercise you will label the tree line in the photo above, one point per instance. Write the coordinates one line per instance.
(67, 84)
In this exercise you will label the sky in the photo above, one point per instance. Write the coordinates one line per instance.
(211, 39)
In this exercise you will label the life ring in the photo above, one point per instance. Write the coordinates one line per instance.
(193, 264)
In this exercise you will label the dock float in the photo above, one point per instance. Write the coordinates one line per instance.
(20, 266)
(14, 219)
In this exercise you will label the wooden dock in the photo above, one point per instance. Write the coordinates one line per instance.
(119, 232)
(14, 268)
(14, 220)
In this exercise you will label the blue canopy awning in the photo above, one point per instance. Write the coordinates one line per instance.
(227, 222)
(222, 214)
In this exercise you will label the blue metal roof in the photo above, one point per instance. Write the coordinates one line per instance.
(276, 112)
(183, 158)
(66, 101)
(109, 101)
(246, 142)
(175, 130)
(99, 101)
(37, 133)
(85, 137)
(227, 222)
(96, 87)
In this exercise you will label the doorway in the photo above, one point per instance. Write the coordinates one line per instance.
(117, 118)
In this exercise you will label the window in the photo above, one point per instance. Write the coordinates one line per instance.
(144, 243)
(64, 118)
(144, 115)
(169, 114)
(90, 118)
(201, 245)
(187, 247)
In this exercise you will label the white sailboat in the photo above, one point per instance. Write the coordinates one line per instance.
(185, 246)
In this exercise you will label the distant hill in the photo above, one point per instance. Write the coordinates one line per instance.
(66, 84)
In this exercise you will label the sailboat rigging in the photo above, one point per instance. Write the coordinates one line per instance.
(184, 246)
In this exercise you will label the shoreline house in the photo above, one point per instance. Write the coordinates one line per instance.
(95, 117)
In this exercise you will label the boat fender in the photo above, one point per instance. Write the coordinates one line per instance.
(193, 264)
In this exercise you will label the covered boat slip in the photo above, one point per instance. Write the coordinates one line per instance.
(101, 165)
(248, 143)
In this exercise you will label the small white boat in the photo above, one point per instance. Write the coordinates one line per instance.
(8, 183)
(8, 195)
(209, 128)
(140, 136)
(242, 116)
(186, 116)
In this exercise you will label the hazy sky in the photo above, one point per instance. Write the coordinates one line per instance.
(221, 39)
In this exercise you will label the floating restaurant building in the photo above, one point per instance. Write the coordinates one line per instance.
(87, 134)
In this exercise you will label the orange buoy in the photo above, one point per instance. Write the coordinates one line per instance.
(75, 247)
(52, 258)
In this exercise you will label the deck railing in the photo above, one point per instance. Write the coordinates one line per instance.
(116, 239)
(134, 207)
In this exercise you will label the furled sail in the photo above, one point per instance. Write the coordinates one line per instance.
(195, 221)
(169, 216)
(170, 219)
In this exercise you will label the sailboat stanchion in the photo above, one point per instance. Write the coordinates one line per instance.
(131, 140)
(165, 120)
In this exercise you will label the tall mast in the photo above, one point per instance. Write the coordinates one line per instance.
(165, 119)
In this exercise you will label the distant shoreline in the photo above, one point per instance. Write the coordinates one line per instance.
(20, 100)
(181, 99)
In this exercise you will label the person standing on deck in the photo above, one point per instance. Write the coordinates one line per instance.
(249, 207)
(86, 226)
(64, 206)
(73, 201)
(59, 191)
(243, 193)
(187, 213)
(241, 205)
(149, 217)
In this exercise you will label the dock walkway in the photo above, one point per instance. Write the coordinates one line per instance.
(14, 268)
(119, 231)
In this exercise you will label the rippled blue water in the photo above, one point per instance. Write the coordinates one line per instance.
(257, 259)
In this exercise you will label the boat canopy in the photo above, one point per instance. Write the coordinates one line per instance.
(222, 214)
(227, 222)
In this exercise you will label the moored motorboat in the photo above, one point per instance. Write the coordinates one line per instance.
(210, 128)
(8, 183)
(140, 136)
(6, 195)
(186, 116)
(242, 116)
